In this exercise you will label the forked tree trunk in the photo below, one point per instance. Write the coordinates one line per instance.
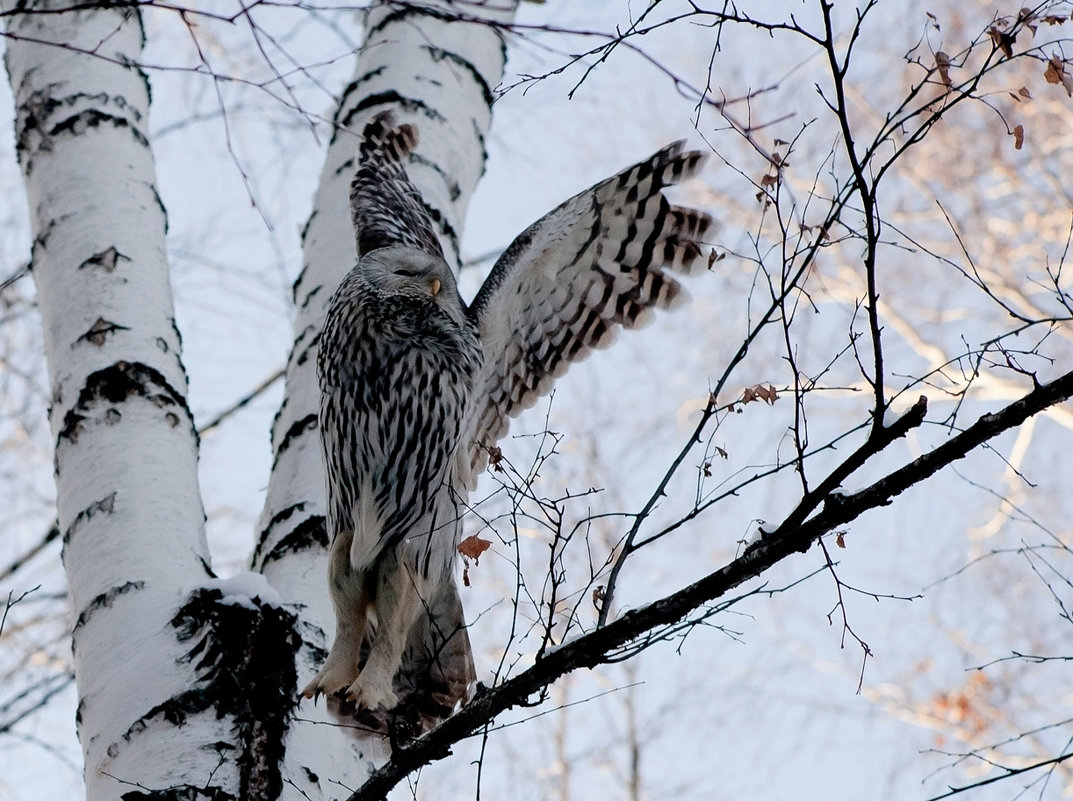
(187, 684)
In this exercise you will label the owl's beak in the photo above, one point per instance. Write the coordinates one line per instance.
(434, 285)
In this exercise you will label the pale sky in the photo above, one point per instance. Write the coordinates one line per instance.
(767, 708)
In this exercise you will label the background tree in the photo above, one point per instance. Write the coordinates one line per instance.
(851, 202)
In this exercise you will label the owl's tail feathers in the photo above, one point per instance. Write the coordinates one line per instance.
(437, 670)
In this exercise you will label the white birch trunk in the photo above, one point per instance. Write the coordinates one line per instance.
(126, 450)
(438, 74)
(187, 685)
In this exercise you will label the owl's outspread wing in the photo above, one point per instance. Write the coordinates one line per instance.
(598, 263)
(416, 388)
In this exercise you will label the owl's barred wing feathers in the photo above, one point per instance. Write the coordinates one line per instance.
(572, 280)
(386, 208)
(415, 389)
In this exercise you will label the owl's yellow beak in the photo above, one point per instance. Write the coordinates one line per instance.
(434, 285)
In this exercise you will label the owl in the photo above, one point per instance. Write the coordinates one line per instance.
(417, 387)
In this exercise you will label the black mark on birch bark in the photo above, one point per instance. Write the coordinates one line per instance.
(105, 505)
(97, 333)
(310, 533)
(116, 384)
(350, 89)
(279, 517)
(410, 104)
(438, 54)
(297, 429)
(105, 260)
(243, 659)
(102, 601)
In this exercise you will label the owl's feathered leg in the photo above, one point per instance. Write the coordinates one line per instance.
(351, 598)
(398, 604)
(437, 667)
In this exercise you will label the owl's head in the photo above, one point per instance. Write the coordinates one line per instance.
(413, 274)
(407, 271)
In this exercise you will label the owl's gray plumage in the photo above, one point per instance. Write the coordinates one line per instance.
(396, 362)
(416, 388)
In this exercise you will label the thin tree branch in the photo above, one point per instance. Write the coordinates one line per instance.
(242, 402)
(1009, 772)
(594, 648)
(18, 562)
(867, 195)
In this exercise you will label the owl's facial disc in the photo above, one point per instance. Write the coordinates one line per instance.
(410, 272)
(422, 278)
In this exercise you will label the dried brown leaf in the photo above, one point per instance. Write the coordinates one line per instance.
(942, 64)
(766, 393)
(473, 546)
(1056, 74)
(1003, 41)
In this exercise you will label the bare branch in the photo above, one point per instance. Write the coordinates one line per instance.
(794, 535)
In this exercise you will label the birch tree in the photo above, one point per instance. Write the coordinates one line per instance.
(214, 720)
(187, 681)
(126, 449)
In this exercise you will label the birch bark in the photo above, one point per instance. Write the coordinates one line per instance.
(187, 684)
(125, 447)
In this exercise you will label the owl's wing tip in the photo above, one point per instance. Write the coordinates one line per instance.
(384, 133)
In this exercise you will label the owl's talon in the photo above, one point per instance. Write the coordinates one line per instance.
(334, 677)
(370, 694)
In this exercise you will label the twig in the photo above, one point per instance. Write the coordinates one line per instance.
(592, 649)
(242, 402)
(1009, 772)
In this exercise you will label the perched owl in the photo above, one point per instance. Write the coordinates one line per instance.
(417, 387)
